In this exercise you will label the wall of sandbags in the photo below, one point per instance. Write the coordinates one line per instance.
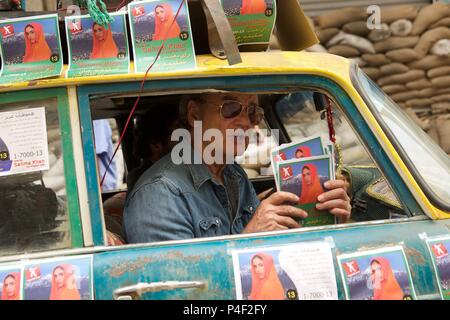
(408, 56)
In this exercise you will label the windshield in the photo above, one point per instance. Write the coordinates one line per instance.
(429, 162)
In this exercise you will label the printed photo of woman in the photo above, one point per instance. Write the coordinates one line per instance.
(253, 7)
(36, 47)
(311, 184)
(164, 28)
(302, 152)
(11, 286)
(266, 284)
(385, 285)
(64, 285)
(103, 44)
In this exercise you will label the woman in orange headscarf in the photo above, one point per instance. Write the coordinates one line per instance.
(103, 44)
(164, 28)
(302, 152)
(253, 6)
(265, 282)
(385, 286)
(64, 283)
(11, 286)
(311, 186)
(36, 47)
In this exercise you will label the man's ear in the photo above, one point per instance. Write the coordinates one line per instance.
(192, 113)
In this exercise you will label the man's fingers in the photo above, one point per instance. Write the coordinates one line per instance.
(341, 213)
(287, 222)
(282, 197)
(291, 211)
(336, 203)
(334, 184)
(339, 193)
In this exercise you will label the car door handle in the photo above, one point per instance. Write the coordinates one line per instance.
(135, 291)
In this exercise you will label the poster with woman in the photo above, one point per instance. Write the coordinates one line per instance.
(252, 21)
(10, 282)
(380, 274)
(305, 177)
(301, 271)
(155, 24)
(439, 248)
(30, 48)
(95, 49)
(59, 279)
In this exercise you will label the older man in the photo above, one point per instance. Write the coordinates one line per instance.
(181, 201)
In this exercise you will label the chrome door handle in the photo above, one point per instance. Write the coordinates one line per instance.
(135, 291)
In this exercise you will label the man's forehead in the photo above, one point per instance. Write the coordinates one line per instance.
(221, 96)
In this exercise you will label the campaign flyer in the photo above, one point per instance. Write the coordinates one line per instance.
(381, 274)
(306, 178)
(95, 49)
(439, 248)
(67, 278)
(23, 141)
(30, 48)
(153, 25)
(11, 282)
(252, 21)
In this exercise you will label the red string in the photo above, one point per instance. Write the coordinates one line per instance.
(330, 121)
(140, 92)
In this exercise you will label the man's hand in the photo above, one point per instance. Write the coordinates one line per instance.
(276, 213)
(336, 200)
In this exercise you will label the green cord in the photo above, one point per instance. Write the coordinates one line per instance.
(99, 15)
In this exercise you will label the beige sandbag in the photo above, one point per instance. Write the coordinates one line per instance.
(430, 92)
(441, 82)
(344, 50)
(317, 48)
(380, 34)
(363, 45)
(405, 96)
(438, 72)
(428, 15)
(338, 18)
(419, 103)
(429, 38)
(394, 88)
(440, 107)
(441, 23)
(441, 98)
(358, 28)
(433, 133)
(359, 61)
(393, 68)
(443, 128)
(402, 78)
(373, 73)
(441, 48)
(325, 35)
(391, 14)
(419, 84)
(375, 60)
(402, 55)
(395, 43)
(425, 126)
(401, 28)
(429, 62)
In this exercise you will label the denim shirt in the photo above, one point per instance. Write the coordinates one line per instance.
(174, 202)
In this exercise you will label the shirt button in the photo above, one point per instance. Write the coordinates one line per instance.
(251, 208)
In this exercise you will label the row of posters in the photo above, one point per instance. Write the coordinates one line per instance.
(305, 271)
(160, 31)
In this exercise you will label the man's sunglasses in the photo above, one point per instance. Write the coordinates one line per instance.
(231, 109)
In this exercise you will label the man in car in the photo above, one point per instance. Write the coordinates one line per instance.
(202, 198)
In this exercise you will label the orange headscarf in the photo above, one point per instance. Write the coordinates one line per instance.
(69, 289)
(106, 48)
(39, 50)
(306, 151)
(165, 29)
(253, 6)
(16, 296)
(388, 289)
(269, 287)
(310, 192)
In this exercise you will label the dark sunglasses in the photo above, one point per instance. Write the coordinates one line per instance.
(231, 109)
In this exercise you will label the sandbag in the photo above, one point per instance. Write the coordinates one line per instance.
(393, 43)
(401, 28)
(358, 28)
(443, 128)
(440, 108)
(441, 98)
(359, 61)
(405, 96)
(375, 60)
(325, 35)
(416, 119)
(338, 18)
(363, 45)
(428, 15)
(394, 88)
(441, 23)
(429, 62)
(419, 103)
(438, 72)
(441, 48)
(430, 92)
(344, 51)
(373, 73)
(433, 133)
(402, 55)
(380, 34)
(393, 68)
(317, 48)
(419, 84)
(429, 38)
(402, 78)
(391, 14)
(441, 82)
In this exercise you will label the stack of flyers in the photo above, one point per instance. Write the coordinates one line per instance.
(302, 168)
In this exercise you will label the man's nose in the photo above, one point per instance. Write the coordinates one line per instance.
(244, 120)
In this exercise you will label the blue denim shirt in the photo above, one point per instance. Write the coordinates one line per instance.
(174, 202)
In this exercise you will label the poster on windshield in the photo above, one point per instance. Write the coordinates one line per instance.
(23, 141)
(381, 274)
(30, 48)
(252, 21)
(95, 49)
(155, 24)
(300, 271)
(439, 248)
(11, 282)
